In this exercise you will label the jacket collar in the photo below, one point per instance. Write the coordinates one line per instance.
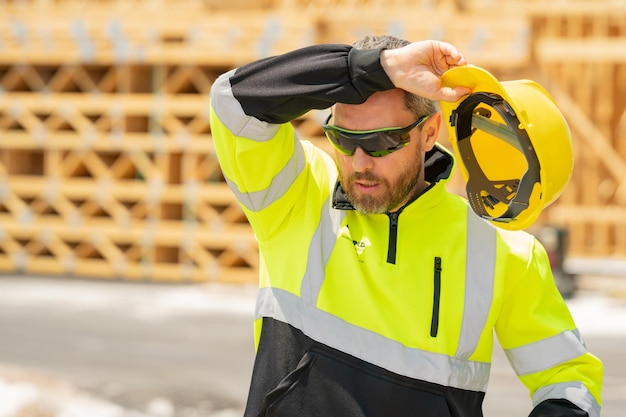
(438, 164)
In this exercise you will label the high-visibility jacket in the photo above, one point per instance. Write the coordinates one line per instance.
(385, 314)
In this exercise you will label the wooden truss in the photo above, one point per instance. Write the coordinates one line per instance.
(106, 161)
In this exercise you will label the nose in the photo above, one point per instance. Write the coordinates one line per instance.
(361, 161)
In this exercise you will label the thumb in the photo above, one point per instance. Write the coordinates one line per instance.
(453, 93)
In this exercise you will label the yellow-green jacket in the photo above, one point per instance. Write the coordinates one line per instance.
(380, 315)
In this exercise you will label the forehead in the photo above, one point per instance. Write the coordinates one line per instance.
(381, 109)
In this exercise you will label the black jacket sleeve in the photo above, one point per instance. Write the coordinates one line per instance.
(279, 89)
(557, 408)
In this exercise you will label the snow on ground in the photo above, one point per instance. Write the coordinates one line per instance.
(33, 397)
(146, 301)
(24, 395)
(599, 315)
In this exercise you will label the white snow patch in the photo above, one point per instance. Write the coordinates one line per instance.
(598, 315)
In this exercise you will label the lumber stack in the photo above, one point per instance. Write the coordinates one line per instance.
(581, 51)
(106, 161)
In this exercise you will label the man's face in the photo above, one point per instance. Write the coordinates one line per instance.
(382, 184)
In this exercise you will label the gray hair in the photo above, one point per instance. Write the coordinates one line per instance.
(419, 105)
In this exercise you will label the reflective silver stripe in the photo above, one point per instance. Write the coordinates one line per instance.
(575, 392)
(325, 238)
(369, 346)
(479, 280)
(546, 353)
(231, 114)
(258, 200)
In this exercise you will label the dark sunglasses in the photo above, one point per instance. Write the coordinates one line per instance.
(376, 142)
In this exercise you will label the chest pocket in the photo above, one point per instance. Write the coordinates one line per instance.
(329, 383)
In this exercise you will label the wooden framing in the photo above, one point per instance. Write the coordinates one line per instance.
(106, 162)
(502, 42)
(581, 53)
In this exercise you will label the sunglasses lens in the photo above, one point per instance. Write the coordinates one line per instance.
(374, 144)
(339, 144)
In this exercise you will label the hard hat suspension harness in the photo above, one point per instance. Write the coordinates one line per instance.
(483, 192)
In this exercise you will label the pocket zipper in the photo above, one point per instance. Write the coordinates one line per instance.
(434, 324)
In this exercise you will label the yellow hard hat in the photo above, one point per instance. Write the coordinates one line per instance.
(514, 145)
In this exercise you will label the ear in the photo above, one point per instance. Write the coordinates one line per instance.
(430, 131)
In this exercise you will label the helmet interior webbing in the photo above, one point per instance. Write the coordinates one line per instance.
(483, 192)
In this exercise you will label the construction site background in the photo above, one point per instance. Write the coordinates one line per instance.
(107, 169)
(106, 161)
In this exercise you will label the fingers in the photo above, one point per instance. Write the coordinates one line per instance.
(452, 94)
(452, 57)
(418, 67)
(445, 56)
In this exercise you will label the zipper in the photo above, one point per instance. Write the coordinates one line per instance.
(434, 324)
(393, 237)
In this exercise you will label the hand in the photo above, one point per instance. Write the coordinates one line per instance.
(418, 67)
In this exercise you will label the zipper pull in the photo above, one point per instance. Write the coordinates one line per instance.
(393, 237)
(393, 219)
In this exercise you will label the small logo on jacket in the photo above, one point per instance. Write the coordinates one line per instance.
(361, 245)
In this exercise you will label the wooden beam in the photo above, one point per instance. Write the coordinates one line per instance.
(564, 50)
(591, 137)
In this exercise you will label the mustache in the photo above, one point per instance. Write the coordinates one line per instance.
(364, 176)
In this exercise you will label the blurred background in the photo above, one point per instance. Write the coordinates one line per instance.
(128, 268)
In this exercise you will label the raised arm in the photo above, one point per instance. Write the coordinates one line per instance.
(281, 88)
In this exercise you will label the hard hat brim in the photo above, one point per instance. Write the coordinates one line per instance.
(476, 78)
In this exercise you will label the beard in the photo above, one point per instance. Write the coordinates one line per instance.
(392, 195)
